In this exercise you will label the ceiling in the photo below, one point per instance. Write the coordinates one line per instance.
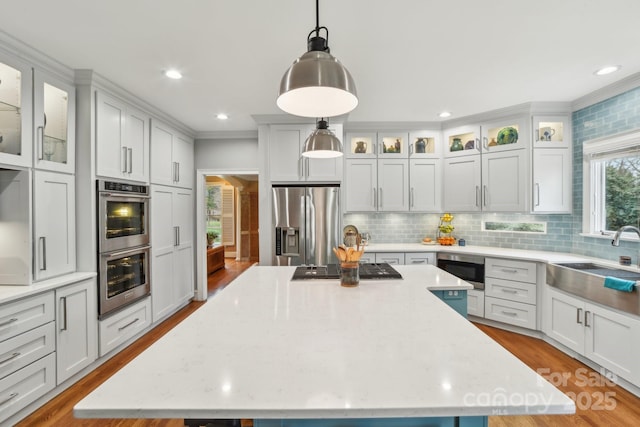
(410, 59)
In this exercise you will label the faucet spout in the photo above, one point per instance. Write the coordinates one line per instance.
(616, 237)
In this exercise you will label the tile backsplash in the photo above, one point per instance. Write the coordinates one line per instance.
(618, 114)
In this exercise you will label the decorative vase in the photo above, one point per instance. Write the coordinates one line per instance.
(457, 145)
(421, 145)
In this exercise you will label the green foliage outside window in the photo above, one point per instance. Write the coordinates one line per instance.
(622, 187)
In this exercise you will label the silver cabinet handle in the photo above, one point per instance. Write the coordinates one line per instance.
(178, 165)
(418, 261)
(509, 291)
(175, 171)
(478, 143)
(40, 136)
(411, 197)
(579, 316)
(410, 149)
(509, 313)
(586, 319)
(128, 251)
(124, 159)
(537, 134)
(130, 153)
(178, 227)
(484, 196)
(375, 198)
(509, 270)
(175, 236)
(63, 301)
(10, 358)
(537, 194)
(121, 328)
(8, 322)
(43, 246)
(477, 194)
(380, 198)
(11, 396)
(485, 143)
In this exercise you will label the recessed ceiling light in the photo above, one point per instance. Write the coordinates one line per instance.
(173, 74)
(444, 114)
(222, 116)
(607, 70)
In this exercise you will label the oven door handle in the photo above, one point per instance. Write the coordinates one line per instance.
(128, 195)
(128, 251)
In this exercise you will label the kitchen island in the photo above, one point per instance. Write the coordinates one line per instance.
(288, 352)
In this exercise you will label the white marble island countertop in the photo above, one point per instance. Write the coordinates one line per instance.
(269, 347)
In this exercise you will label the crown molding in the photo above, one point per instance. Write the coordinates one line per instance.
(228, 134)
(391, 126)
(614, 89)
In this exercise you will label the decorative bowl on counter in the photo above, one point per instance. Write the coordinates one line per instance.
(447, 240)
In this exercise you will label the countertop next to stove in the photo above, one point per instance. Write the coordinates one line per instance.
(269, 347)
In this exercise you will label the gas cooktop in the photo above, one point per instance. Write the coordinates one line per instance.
(374, 271)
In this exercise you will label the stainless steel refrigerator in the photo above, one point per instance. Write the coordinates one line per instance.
(306, 224)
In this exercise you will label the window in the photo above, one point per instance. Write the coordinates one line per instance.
(611, 184)
(214, 206)
(221, 213)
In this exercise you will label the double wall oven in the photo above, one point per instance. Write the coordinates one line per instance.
(123, 241)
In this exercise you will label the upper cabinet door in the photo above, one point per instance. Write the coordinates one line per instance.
(360, 144)
(110, 155)
(54, 126)
(393, 144)
(183, 161)
(425, 144)
(462, 141)
(136, 141)
(16, 111)
(552, 131)
(505, 135)
(162, 164)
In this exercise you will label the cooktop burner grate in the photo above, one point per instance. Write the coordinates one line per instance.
(375, 271)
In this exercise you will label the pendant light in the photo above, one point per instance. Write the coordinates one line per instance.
(322, 143)
(317, 84)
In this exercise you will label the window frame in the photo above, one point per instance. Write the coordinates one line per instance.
(595, 153)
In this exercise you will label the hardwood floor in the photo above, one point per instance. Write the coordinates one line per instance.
(535, 353)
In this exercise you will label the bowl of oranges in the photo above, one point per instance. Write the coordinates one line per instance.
(447, 240)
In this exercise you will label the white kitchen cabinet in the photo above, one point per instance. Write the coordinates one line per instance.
(393, 145)
(286, 162)
(171, 250)
(368, 258)
(497, 136)
(393, 185)
(360, 145)
(420, 258)
(53, 224)
(425, 184)
(461, 184)
(124, 325)
(394, 258)
(462, 141)
(604, 336)
(505, 181)
(552, 180)
(76, 328)
(54, 113)
(122, 140)
(16, 111)
(475, 302)
(425, 144)
(361, 189)
(172, 161)
(15, 217)
(553, 131)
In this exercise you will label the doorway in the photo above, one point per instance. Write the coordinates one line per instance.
(227, 218)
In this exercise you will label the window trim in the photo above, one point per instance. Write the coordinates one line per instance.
(601, 148)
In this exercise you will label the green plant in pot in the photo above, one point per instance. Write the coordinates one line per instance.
(211, 236)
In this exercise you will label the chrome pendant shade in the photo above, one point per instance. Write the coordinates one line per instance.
(322, 143)
(317, 84)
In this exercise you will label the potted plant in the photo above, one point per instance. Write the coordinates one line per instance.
(211, 236)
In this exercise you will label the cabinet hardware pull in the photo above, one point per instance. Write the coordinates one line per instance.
(175, 174)
(175, 236)
(8, 322)
(484, 196)
(178, 227)
(128, 324)
(537, 194)
(63, 301)
(410, 149)
(40, 137)
(375, 198)
(13, 356)
(178, 166)
(477, 192)
(509, 270)
(579, 316)
(586, 319)
(418, 261)
(411, 198)
(43, 245)
(509, 291)
(137, 196)
(485, 143)
(380, 198)
(11, 396)
(124, 159)
(128, 251)
(130, 152)
(509, 313)
(537, 134)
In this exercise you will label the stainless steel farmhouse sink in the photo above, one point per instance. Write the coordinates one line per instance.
(587, 281)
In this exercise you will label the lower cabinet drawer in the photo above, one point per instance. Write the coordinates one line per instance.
(28, 313)
(510, 290)
(396, 258)
(420, 258)
(28, 384)
(123, 325)
(511, 312)
(18, 352)
(475, 302)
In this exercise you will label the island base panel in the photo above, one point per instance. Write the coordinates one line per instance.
(480, 421)
(454, 299)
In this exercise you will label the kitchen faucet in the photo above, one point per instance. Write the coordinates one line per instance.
(616, 238)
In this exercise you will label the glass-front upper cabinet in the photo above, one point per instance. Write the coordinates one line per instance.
(360, 144)
(54, 124)
(15, 112)
(505, 135)
(425, 144)
(462, 141)
(393, 144)
(551, 131)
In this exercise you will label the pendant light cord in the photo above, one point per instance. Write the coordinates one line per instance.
(317, 18)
